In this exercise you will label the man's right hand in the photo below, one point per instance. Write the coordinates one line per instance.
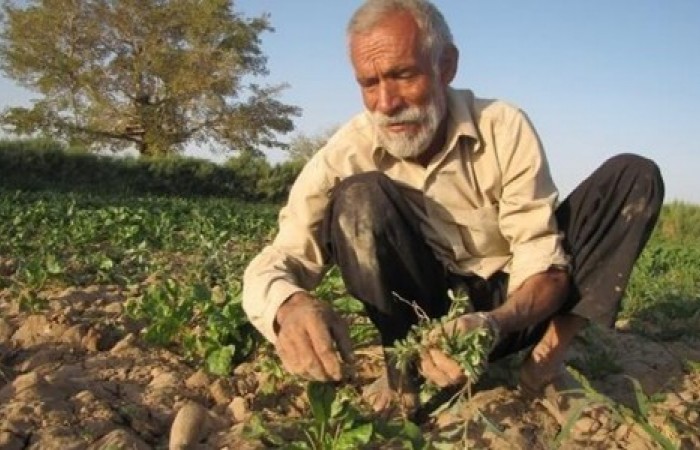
(311, 334)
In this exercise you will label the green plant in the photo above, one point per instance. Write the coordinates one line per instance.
(469, 349)
(186, 313)
(273, 376)
(337, 424)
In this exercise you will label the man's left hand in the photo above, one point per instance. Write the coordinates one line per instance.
(438, 367)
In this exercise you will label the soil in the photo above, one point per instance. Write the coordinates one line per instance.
(76, 375)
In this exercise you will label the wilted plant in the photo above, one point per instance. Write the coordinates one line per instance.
(469, 349)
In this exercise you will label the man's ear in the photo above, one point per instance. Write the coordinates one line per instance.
(448, 64)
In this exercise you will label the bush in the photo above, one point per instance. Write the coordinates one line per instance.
(40, 164)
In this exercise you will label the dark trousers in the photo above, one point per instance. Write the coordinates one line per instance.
(373, 236)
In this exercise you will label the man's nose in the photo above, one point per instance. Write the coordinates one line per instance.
(389, 101)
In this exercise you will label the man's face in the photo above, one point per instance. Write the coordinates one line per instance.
(400, 87)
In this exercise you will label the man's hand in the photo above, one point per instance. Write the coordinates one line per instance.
(310, 336)
(438, 367)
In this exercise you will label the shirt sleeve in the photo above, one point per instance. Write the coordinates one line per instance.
(528, 201)
(296, 260)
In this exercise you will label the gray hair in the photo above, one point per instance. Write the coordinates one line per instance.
(431, 23)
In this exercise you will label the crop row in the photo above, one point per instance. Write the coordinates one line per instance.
(188, 256)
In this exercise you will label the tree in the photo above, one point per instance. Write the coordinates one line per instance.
(303, 146)
(154, 74)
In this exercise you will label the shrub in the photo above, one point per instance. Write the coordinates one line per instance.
(40, 164)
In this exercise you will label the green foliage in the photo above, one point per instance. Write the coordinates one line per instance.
(337, 424)
(662, 299)
(46, 165)
(679, 222)
(192, 252)
(260, 181)
(303, 147)
(181, 260)
(151, 74)
(469, 349)
(273, 374)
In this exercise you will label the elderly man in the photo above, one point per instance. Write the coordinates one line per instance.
(433, 188)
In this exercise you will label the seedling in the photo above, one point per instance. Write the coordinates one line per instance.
(337, 424)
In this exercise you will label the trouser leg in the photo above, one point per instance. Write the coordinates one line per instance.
(607, 221)
(374, 238)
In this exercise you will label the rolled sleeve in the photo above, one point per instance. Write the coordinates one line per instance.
(528, 202)
(295, 261)
(267, 283)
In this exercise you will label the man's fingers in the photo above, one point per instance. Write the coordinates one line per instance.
(380, 401)
(449, 367)
(310, 338)
(322, 344)
(341, 334)
(440, 369)
(296, 350)
(431, 371)
(287, 354)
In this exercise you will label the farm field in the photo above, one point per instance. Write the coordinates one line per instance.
(121, 327)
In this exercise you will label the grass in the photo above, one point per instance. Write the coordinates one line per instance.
(663, 297)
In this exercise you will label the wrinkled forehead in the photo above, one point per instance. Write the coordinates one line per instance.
(394, 35)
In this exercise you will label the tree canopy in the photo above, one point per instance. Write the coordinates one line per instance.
(303, 146)
(153, 74)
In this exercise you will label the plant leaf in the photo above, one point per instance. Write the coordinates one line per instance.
(351, 439)
(321, 396)
(219, 360)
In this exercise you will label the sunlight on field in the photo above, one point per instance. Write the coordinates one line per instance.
(177, 264)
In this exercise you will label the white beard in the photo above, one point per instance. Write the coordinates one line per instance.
(405, 145)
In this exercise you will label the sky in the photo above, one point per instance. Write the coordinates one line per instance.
(596, 77)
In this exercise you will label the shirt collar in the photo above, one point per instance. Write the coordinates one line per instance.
(461, 122)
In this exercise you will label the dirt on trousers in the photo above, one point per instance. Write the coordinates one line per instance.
(76, 375)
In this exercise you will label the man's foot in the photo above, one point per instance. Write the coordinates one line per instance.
(563, 397)
(389, 402)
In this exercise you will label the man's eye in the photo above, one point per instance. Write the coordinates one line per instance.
(367, 83)
(405, 75)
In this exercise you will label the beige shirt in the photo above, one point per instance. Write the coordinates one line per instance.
(485, 203)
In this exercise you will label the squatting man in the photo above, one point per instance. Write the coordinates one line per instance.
(432, 188)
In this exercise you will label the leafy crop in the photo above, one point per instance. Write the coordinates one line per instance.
(180, 262)
(187, 314)
(336, 423)
(182, 259)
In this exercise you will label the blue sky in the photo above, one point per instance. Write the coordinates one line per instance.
(596, 77)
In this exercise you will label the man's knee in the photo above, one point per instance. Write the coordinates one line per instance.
(361, 203)
(645, 179)
(646, 185)
(356, 203)
(644, 170)
(361, 189)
